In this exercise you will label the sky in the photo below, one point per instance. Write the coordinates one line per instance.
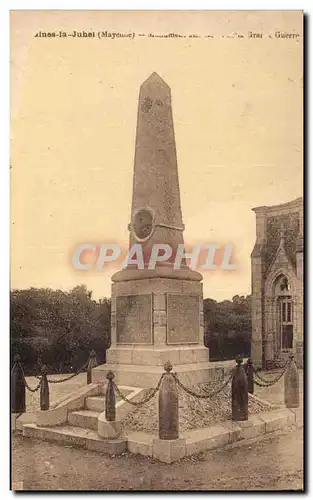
(237, 110)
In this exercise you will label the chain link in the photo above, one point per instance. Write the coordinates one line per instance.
(30, 389)
(220, 389)
(85, 366)
(51, 381)
(203, 396)
(143, 401)
(70, 376)
(261, 382)
(25, 381)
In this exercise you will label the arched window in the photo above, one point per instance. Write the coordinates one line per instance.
(284, 313)
(286, 322)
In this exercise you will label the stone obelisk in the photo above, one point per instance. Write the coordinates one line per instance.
(157, 314)
(156, 215)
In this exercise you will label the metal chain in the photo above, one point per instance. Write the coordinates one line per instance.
(30, 389)
(274, 380)
(261, 382)
(220, 389)
(202, 396)
(70, 376)
(25, 381)
(52, 381)
(143, 401)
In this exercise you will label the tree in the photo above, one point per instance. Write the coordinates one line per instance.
(60, 327)
(227, 327)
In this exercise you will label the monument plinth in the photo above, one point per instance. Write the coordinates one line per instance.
(157, 314)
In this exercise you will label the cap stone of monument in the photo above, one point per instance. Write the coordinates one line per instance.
(157, 314)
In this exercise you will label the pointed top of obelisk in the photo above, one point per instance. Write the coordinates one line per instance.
(155, 78)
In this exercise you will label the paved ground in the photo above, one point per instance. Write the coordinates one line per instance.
(271, 463)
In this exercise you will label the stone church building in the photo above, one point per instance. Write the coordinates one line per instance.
(277, 284)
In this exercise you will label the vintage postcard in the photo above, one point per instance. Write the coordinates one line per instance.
(157, 250)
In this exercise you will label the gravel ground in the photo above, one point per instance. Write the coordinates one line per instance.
(271, 463)
(193, 413)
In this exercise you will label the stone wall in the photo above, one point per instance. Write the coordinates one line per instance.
(278, 251)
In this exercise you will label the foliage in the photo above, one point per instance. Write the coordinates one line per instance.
(58, 327)
(227, 327)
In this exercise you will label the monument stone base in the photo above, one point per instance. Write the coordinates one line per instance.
(147, 377)
(139, 366)
(153, 321)
(162, 313)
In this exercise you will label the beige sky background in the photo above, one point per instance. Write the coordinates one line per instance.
(237, 107)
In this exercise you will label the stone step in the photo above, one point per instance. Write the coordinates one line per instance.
(140, 442)
(75, 436)
(95, 403)
(87, 419)
(124, 389)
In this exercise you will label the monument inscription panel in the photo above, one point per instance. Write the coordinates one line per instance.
(183, 319)
(134, 319)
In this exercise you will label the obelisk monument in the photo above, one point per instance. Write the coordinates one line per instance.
(157, 314)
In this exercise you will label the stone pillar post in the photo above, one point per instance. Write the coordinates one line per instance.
(291, 380)
(239, 393)
(18, 389)
(168, 406)
(257, 288)
(168, 447)
(44, 390)
(108, 426)
(249, 369)
(299, 354)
